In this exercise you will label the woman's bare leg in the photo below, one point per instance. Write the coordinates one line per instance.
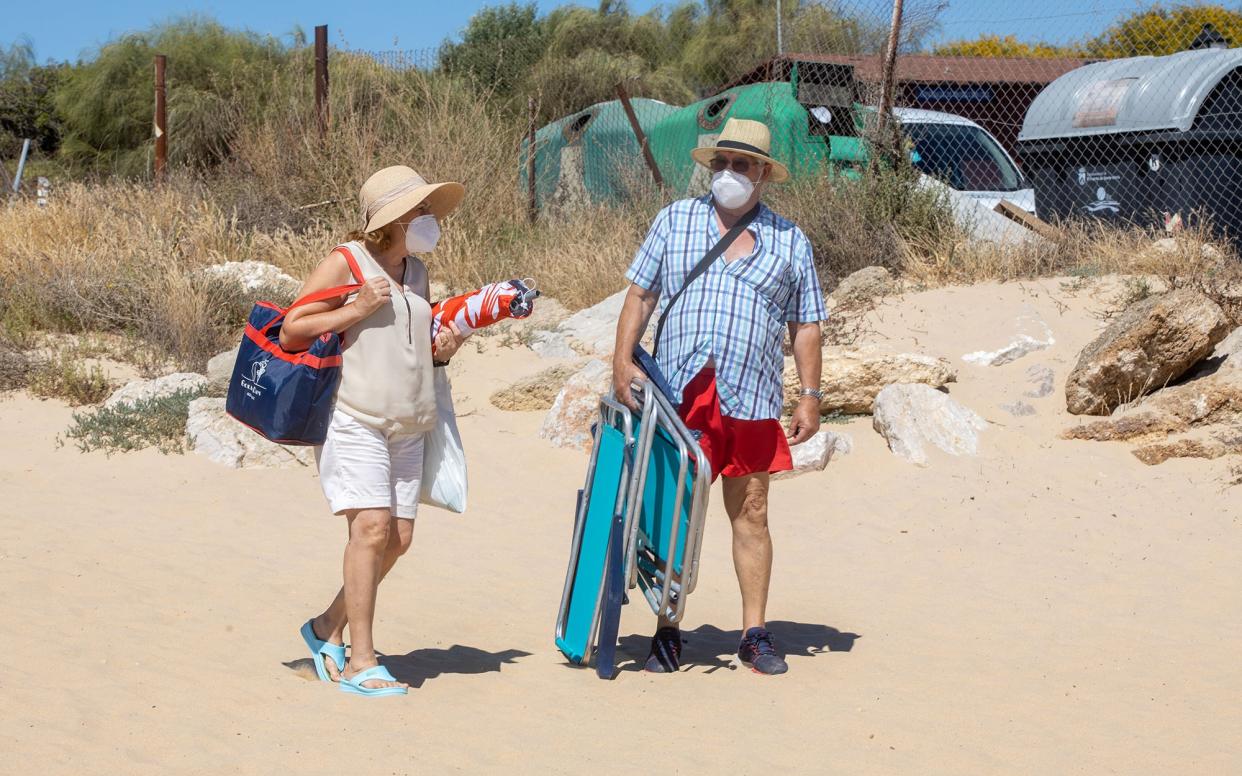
(369, 535)
(334, 619)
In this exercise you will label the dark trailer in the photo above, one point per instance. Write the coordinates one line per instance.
(1141, 140)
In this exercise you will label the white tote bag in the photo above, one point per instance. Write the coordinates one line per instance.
(444, 460)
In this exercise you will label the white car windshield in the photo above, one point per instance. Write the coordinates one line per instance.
(964, 157)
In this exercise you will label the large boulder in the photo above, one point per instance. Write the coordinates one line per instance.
(865, 285)
(220, 372)
(588, 332)
(595, 328)
(568, 423)
(1209, 400)
(537, 392)
(814, 454)
(144, 390)
(912, 417)
(1152, 343)
(218, 436)
(853, 378)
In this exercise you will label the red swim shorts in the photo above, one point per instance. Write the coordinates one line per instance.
(734, 447)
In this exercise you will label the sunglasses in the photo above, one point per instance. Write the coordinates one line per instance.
(740, 164)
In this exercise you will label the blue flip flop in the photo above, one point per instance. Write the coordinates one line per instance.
(378, 672)
(321, 649)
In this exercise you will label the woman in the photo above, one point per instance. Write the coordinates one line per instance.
(370, 465)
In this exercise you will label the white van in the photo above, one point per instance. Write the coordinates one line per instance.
(966, 157)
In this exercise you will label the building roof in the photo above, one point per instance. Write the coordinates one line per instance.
(927, 68)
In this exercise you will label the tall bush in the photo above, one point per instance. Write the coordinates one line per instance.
(107, 102)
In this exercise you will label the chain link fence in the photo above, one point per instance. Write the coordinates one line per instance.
(1135, 123)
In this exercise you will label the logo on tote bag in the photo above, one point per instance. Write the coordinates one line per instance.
(251, 385)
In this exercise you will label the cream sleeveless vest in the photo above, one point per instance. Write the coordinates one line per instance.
(386, 378)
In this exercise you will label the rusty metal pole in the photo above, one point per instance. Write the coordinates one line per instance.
(321, 78)
(161, 119)
(889, 73)
(624, 97)
(532, 203)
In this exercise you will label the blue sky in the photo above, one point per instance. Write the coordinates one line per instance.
(77, 27)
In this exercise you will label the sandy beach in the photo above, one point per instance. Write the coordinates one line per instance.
(1047, 607)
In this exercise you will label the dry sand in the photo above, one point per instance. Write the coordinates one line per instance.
(1047, 607)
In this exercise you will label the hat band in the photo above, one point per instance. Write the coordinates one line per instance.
(738, 146)
(391, 196)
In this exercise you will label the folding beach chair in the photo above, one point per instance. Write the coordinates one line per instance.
(598, 542)
(639, 522)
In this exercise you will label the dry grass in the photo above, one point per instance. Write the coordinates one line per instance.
(125, 258)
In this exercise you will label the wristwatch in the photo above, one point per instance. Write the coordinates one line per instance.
(439, 364)
(817, 393)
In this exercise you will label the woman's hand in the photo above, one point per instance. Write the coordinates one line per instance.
(374, 294)
(448, 341)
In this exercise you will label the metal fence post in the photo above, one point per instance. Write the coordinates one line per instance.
(532, 204)
(161, 119)
(624, 97)
(321, 78)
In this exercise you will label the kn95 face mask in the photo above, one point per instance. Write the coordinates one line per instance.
(422, 234)
(731, 190)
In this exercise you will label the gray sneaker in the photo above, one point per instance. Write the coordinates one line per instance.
(758, 650)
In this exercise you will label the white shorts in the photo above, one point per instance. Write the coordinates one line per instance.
(361, 468)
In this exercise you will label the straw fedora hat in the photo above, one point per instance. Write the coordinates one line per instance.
(396, 190)
(741, 136)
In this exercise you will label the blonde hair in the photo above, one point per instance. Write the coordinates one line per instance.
(379, 237)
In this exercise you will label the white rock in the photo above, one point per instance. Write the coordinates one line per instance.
(552, 344)
(220, 371)
(568, 423)
(1230, 350)
(143, 390)
(910, 417)
(1042, 380)
(814, 454)
(1018, 409)
(252, 276)
(215, 434)
(1019, 347)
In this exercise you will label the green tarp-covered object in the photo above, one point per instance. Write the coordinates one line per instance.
(592, 155)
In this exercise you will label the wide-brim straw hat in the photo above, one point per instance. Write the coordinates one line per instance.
(396, 190)
(741, 136)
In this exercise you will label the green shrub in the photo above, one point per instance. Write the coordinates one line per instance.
(63, 376)
(158, 422)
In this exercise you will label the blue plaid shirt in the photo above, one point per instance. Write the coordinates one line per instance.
(735, 313)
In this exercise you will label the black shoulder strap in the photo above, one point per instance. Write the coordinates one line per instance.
(708, 258)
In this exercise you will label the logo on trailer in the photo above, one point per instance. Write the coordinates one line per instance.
(1102, 203)
(1082, 176)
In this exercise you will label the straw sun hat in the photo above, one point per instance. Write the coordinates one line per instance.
(396, 190)
(750, 138)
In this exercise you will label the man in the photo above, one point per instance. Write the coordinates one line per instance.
(721, 351)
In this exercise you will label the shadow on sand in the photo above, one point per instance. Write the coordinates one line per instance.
(711, 648)
(418, 666)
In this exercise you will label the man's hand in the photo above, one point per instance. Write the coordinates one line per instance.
(624, 374)
(805, 421)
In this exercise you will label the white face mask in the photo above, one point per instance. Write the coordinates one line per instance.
(731, 189)
(422, 234)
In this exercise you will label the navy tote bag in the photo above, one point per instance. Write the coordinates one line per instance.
(287, 397)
